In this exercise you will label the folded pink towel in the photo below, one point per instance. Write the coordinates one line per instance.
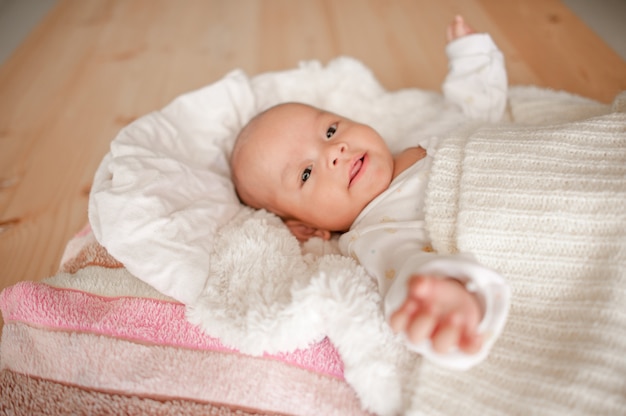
(148, 321)
(146, 348)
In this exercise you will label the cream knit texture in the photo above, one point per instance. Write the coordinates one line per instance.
(545, 206)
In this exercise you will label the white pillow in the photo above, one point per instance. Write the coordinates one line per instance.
(164, 189)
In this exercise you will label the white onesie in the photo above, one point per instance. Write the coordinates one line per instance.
(389, 238)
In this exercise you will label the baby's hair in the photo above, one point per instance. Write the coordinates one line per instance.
(240, 142)
(243, 133)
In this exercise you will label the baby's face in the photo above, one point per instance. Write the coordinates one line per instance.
(306, 164)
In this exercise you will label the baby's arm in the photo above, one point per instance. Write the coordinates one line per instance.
(450, 308)
(476, 80)
(441, 310)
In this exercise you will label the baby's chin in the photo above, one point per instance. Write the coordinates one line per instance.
(344, 223)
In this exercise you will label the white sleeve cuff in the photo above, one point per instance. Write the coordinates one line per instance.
(486, 283)
(477, 43)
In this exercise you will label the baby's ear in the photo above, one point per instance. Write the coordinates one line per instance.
(304, 231)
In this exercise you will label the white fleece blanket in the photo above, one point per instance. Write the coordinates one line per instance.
(163, 204)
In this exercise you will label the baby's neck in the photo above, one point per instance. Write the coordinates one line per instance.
(407, 158)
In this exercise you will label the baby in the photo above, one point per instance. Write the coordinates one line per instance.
(323, 173)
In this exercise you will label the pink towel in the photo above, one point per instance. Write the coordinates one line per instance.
(117, 348)
(145, 347)
(148, 321)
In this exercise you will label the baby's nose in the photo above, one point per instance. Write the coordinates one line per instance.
(337, 152)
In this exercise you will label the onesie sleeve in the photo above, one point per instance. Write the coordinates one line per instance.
(477, 80)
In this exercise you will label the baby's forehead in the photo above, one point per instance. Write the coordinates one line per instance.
(282, 122)
(288, 112)
(293, 106)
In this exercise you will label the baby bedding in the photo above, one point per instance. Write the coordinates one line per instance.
(93, 339)
(230, 284)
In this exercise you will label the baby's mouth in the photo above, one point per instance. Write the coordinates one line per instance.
(356, 168)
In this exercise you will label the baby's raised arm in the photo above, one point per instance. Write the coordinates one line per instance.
(477, 80)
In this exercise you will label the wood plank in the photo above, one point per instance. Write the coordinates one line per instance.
(92, 66)
(555, 49)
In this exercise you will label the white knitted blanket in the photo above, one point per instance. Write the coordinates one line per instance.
(546, 206)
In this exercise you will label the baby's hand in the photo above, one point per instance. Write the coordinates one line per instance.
(458, 28)
(442, 310)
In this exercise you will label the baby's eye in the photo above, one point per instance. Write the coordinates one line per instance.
(306, 174)
(331, 130)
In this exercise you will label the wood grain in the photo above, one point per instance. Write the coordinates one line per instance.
(92, 66)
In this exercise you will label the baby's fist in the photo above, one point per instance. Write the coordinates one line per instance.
(458, 28)
(441, 310)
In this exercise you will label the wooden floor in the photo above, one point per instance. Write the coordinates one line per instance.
(92, 66)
